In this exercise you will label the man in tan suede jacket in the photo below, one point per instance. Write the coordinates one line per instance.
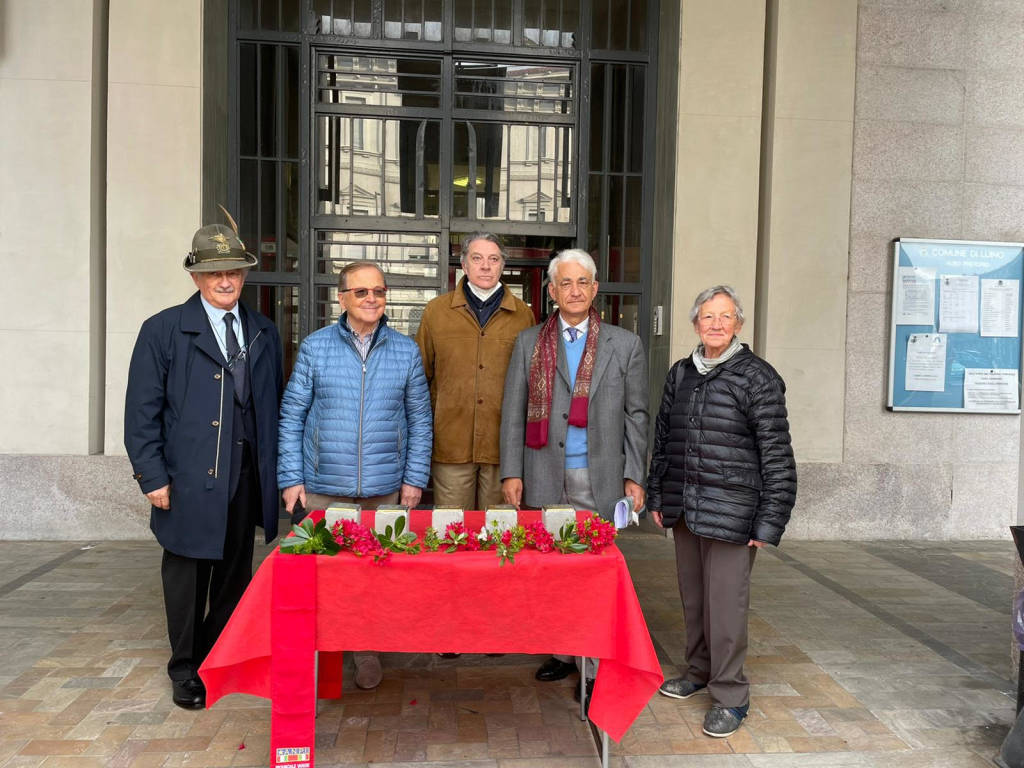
(466, 338)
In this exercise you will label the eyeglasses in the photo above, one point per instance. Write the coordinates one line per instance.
(725, 319)
(583, 284)
(360, 293)
(478, 259)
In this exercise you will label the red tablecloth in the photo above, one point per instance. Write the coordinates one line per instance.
(297, 605)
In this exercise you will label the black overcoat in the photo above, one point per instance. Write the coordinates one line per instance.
(177, 423)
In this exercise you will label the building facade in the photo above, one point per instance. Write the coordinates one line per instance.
(777, 145)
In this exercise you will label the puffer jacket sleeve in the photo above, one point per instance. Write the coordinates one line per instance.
(768, 421)
(298, 395)
(658, 459)
(421, 427)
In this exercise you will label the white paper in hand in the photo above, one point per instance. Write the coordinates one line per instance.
(625, 513)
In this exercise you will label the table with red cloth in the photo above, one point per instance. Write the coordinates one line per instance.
(543, 603)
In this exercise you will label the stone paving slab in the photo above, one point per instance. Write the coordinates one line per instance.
(863, 655)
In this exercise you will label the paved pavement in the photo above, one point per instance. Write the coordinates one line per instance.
(893, 654)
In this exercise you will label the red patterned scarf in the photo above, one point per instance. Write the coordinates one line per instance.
(543, 362)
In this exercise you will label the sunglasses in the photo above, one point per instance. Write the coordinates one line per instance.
(360, 293)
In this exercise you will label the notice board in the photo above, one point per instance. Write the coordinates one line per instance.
(955, 336)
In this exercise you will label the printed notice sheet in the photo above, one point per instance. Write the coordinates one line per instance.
(915, 297)
(991, 389)
(958, 304)
(1000, 307)
(926, 362)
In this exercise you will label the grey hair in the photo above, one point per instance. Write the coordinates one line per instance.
(572, 254)
(355, 266)
(709, 293)
(490, 237)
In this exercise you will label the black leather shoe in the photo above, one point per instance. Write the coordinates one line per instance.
(449, 655)
(576, 691)
(189, 694)
(553, 669)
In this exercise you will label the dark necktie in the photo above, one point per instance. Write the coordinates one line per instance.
(236, 358)
(573, 333)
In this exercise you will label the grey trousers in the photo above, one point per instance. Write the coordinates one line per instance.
(576, 490)
(714, 583)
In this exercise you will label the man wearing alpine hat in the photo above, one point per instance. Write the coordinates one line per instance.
(200, 428)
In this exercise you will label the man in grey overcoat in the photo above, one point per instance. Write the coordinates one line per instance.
(574, 414)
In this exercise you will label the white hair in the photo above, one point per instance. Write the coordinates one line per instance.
(709, 293)
(572, 254)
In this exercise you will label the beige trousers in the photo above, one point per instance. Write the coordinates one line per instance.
(322, 501)
(469, 486)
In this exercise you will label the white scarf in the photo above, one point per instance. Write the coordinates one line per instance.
(704, 364)
(480, 293)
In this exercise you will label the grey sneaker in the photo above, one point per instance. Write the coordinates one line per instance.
(721, 721)
(679, 688)
(368, 670)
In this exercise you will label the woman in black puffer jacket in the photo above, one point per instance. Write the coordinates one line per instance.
(723, 478)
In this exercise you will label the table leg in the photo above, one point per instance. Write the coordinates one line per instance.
(605, 751)
(583, 687)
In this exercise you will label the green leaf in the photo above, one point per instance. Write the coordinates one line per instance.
(399, 526)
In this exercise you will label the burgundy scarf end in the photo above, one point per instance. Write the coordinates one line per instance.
(536, 434)
(578, 411)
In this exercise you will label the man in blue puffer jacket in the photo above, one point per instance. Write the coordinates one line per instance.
(355, 418)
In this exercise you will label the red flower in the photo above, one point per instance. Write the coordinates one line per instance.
(539, 537)
(597, 534)
(359, 540)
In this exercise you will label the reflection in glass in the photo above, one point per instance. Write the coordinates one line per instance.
(404, 307)
(545, 89)
(267, 107)
(511, 172)
(550, 24)
(267, 253)
(380, 81)
(483, 21)
(290, 101)
(248, 210)
(247, 125)
(619, 24)
(620, 310)
(281, 304)
(270, 17)
(350, 18)
(416, 254)
(412, 20)
(374, 167)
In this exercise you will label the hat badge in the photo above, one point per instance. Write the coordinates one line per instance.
(221, 242)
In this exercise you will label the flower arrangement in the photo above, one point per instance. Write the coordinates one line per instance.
(506, 542)
(597, 534)
(359, 540)
(458, 539)
(593, 535)
(310, 539)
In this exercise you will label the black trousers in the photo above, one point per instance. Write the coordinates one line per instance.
(189, 583)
